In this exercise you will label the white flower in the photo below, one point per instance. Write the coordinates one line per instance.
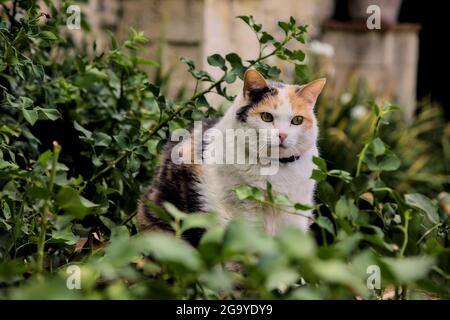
(358, 112)
(321, 48)
(346, 97)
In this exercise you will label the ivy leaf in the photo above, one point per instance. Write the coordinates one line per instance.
(73, 203)
(216, 60)
(346, 208)
(170, 250)
(49, 36)
(78, 127)
(30, 115)
(236, 64)
(66, 235)
(265, 38)
(378, 147)
(326, 193)
(325, 223)
(320, 163)
(423, 203)
(282, 200)
(318, 175)
(390, 162)
(285, 26)
(407, 270)
(248, 192)
(50, 114)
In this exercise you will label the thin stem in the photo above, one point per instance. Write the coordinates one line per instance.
(322, 230)
(295, 212)
(405, 233)
(46, 210)
(428, 232)
(361, 158)
(110, 166)
(362, 155)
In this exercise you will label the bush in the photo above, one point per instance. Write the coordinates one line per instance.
(80, 136)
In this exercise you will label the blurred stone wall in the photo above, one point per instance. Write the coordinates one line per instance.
(199, 28)
(386, 59)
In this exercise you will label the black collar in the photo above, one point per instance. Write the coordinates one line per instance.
(289, 159)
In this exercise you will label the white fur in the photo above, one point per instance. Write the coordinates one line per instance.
(292, 179)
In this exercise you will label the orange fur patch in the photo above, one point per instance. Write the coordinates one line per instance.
(301, 106)
(268, 104)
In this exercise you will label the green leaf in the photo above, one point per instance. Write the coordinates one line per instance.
(410, 269)
(50, 114)
(423, 203)
(199, 220)
(390, 162)
(197, 115)
(301, 70)
(273, 72)
(48, 35)
(282, 200)
(375, 108)
(298, 55)
(101, 139)
(242, 237)
(73, 203)
(336, 271)
(378, 147)
(296, 243)
(236, 64)
(265, 38)
(246, 19)
(6, 210)
(341, 174)
(65, 235)
(188, 62)
(87, 133)
(325, 223)
(285, 26)
(174, 212)
(30, 115)
(281, 278)
(248, 192)
(303, 207)
(346, 208)
(172, 251)
(320, 163)
(326, 193)
(216, 60)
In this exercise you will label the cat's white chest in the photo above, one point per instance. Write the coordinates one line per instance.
(291, 179)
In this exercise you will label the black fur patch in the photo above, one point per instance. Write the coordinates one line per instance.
(177, 184)
(254, 96)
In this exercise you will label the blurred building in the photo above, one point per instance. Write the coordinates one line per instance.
(386, 59)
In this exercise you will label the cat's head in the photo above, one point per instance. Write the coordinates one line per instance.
(288, 108)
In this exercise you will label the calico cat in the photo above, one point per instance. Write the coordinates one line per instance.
(287, 112)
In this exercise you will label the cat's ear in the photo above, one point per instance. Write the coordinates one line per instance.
(253, 80)
(311, 91)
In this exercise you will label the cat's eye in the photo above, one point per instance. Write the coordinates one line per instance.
(266, 117)
(297, 120)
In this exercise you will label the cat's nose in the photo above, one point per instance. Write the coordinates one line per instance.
(282, 136)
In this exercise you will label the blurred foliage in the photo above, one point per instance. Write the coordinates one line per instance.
(80, 136)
